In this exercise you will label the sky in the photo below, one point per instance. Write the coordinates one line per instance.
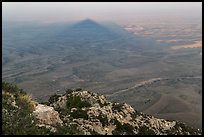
(49, 12)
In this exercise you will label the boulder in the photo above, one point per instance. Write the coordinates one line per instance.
(47, 115)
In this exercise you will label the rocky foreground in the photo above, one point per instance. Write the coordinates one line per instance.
(80, 112)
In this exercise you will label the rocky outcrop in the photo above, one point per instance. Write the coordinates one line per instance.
(80, 112)
(94, 114)
(47, 115)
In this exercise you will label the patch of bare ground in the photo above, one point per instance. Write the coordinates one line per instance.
(168, 104)
(170, 107)
(190, 118)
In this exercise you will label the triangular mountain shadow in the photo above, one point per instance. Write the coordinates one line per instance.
(87, 30)
(88, 23)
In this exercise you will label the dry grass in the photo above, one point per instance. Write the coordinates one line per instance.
(28, 99)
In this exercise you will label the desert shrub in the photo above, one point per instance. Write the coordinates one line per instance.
(144, 130)
(103, 119)
(53, 98)
(85, 104)
(93, 132)
(26, 102)
(103, 104)
(68, 91)
(21, 123)
(78, 89)
(7, 99)
(135, 114)
(19, 120)
(72, 129)
(117, 123)
(79, 114)
(62, 111)
(9, 87)
(119, 129)
(128, 128)
(122, 129)
(12, 88)
(116, 132)
(117, 107)
(184, 129)
(76, 102)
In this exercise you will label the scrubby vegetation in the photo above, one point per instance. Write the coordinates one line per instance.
(117, 106)
(74, 117)
(68, 91)
(17, 117)
(71, 129)
(135, 114)
(103, 104)
(12, 88)
(79, 113)
(53, 98)
(181, 128)
(103, 119)
(144, 130)
(76, 102)
(78, 89)
(123, 129)
(17, 107)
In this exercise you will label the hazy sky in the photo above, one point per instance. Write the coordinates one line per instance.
(108, 11)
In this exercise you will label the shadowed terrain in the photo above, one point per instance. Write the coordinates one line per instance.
(149, 75)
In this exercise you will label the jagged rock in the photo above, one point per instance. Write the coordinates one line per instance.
(102, 112)
(47, 115)
(83, 112)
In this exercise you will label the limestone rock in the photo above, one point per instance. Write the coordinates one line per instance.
(47, 115)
